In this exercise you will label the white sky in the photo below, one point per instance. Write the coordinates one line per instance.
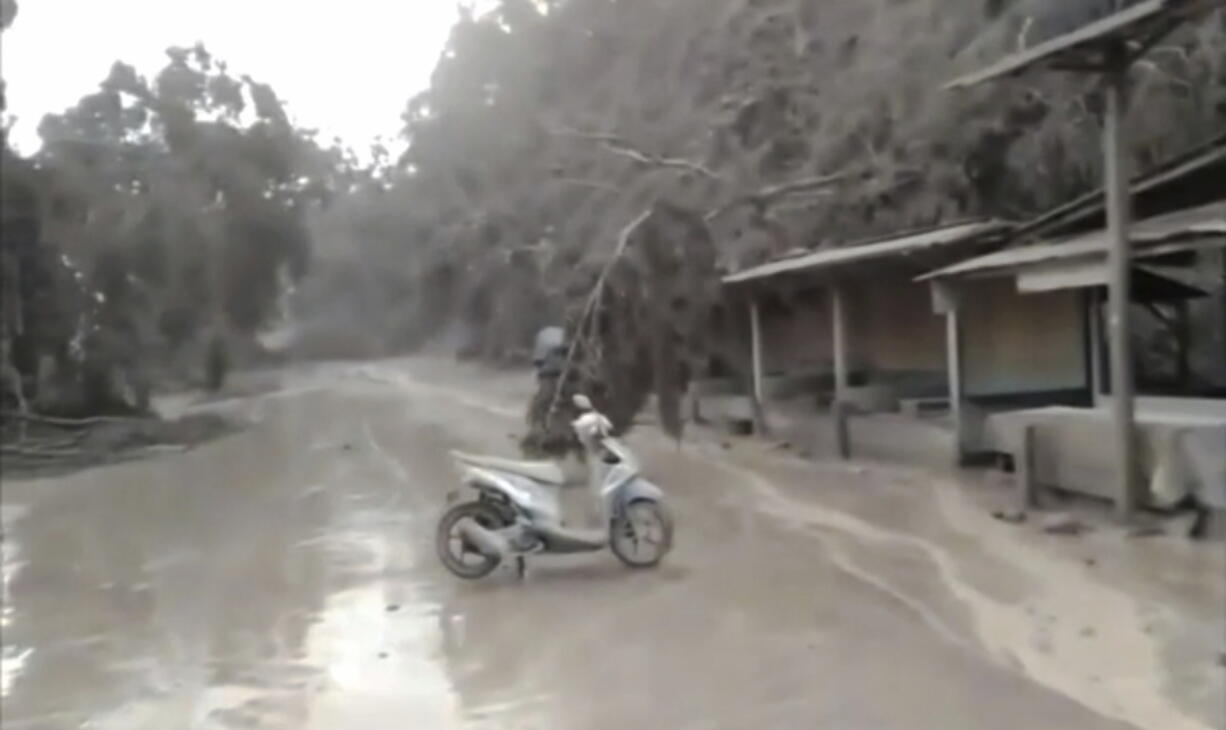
(347, 67)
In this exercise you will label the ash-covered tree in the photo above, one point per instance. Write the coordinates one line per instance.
(171, 209)
(780, 124)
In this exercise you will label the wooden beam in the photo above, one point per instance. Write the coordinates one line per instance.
(838, 322)
(1115, 152)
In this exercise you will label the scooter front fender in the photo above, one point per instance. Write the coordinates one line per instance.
(634, 490)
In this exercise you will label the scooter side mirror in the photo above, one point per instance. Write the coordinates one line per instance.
(582, 403)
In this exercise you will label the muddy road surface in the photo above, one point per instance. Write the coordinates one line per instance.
(284, 577)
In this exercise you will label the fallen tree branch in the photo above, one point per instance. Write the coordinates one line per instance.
(589, 308)
(68, 422)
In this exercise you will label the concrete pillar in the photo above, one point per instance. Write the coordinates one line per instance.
(1027, 480)
(1095, 335)
(838, 329)
(1115, 151)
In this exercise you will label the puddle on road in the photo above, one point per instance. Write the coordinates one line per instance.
(12, 657)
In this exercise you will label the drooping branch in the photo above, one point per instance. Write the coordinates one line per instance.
(589, 308)
(619, 146)
(762, 198)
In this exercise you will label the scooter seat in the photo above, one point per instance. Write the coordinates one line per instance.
(546, 472)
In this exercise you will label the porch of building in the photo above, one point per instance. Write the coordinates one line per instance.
(1178, 277)
(844, 354)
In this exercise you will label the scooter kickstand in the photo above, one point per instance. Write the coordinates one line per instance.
(521, 567)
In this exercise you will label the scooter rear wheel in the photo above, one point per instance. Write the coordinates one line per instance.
(643, 534)
(460, 558)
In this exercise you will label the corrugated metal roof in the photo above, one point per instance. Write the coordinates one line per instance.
(1205, 160)
(898, 246)
(1204, 222)
(1145, 20)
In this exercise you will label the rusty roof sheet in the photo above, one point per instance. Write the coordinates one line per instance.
(952, 235)
(1144, 23)
(1205, 224)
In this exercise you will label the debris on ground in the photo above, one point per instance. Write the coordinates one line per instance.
(1015, 517)
(1146, 531)
(1091, 562)
(39, 445)
(782, 446)
(1061, 523)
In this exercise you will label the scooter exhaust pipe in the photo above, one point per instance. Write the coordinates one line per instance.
(488, 543)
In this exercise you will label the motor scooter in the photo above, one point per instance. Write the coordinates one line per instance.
(516, 510)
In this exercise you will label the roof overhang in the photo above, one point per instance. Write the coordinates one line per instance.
(1148, 284)
(1080, 261)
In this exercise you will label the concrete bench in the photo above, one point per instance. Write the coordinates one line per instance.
(914, 407)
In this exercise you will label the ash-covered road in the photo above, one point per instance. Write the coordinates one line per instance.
(284, 577)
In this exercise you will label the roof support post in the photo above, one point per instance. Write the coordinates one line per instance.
(957, 390)
(1094, 333)
(946, 302)
(1115, 151)
(755, 365)
(838, 329)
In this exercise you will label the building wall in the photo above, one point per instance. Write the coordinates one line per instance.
(1012, 343)
(796, 334)
(891, 328)
(1021, 343)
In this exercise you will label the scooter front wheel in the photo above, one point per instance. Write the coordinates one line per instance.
(457, 556)
(643, 534)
